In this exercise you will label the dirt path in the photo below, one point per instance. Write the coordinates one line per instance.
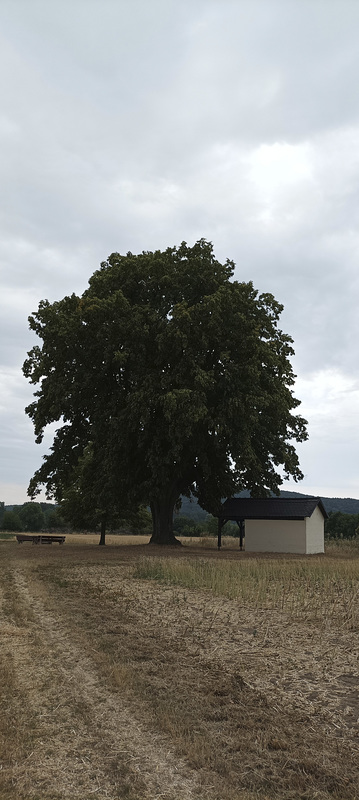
(88, 741)
(126, 689)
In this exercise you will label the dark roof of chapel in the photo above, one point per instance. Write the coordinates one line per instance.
(270, 508)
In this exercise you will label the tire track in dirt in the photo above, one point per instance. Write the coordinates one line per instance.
(89, 741)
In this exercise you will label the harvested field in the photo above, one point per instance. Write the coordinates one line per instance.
(184, 674)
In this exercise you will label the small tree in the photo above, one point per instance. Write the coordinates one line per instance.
(11, 521)
(31, 516)
(93, 498)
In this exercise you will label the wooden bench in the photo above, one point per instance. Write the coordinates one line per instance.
(48, 539)
(25, 537)
(39, 538)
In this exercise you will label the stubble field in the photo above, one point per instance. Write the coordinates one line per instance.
(130, 672)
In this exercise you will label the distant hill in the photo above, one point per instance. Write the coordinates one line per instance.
(191, 508)
(347, 505)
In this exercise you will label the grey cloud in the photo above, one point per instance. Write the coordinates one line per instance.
(135, 126)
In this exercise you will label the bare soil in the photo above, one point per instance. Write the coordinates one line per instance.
(117, 688)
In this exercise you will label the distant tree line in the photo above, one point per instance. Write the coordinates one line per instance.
(46, 516)
(341, 526)
(36, 517)
(192, 526)
(30, 517)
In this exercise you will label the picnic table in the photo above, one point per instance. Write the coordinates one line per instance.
(39, 538)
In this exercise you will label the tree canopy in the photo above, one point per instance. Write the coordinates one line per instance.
(340, 525)
(177, 376)
(31, 516)
(11, 521)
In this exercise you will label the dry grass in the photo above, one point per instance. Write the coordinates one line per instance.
(315, 590)
(15, 725)
(84, 539)
(218, 677)
(16, 721)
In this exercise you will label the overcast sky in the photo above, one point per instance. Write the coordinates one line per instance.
(137, 124)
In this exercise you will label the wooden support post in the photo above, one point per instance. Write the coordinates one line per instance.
(240, 523)
(241, 534)
(220, 523)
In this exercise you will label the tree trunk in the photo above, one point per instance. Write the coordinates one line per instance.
(103, 530)
(162, 519)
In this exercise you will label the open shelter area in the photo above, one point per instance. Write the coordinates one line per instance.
(141, 672)
(276, 524)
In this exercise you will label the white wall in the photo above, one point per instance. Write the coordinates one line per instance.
(276, 536)
(315, 532)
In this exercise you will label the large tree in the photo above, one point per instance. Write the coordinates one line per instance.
(177, 374)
